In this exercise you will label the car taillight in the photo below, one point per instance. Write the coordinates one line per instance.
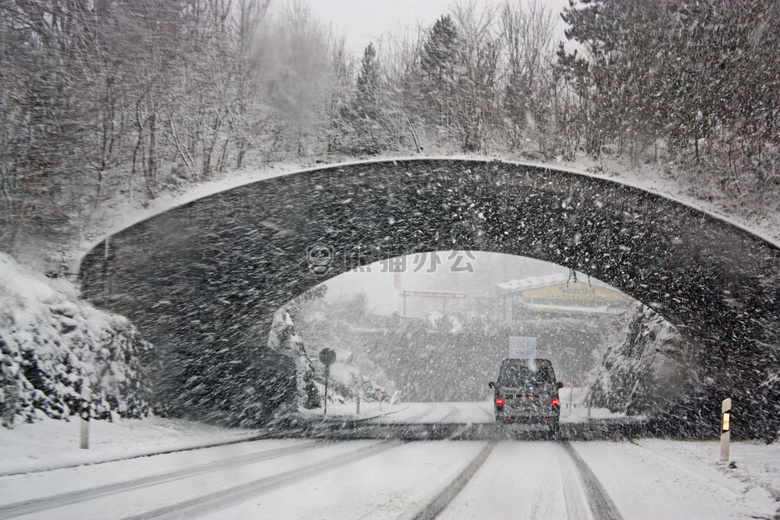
(499, 401)
(556, 401)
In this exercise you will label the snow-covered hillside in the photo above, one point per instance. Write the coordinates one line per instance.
(647, 371)
(54, 346)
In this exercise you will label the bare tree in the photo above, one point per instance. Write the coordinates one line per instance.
(528, 31)
(476, 95)
(296, 61)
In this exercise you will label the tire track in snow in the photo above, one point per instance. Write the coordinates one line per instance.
(577, 505)
(229, 497)
(452, 415)
(428, 409)
(490, 415)
(601, 505)
(443, 499)
(65, 499)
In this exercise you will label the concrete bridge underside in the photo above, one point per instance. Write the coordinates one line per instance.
(209, 274)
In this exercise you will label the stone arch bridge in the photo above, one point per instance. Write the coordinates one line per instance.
(205, 277)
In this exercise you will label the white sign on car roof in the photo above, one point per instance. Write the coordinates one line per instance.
(522, 347)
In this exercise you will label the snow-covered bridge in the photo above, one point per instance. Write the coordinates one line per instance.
(209, 274)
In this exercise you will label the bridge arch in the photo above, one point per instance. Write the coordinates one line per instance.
(206, 272)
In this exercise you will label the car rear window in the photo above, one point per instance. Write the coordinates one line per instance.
(519, 375)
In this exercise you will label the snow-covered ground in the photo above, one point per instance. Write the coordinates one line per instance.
(683, 479)
(49, 443)
(300, 478)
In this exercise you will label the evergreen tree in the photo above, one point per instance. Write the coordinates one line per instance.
(363, 126)
(454, 85)
(438, 63)
(366, 105)
(688, 72)
(623, 43)
(440, 52)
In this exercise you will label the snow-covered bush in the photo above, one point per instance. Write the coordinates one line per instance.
(283, 339)
(345, 382)
(646, 372)
(52, 345)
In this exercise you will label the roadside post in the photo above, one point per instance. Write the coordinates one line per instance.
(589, 405)
(327, 357)
(725, 429)
(571, 394)
(86, 397)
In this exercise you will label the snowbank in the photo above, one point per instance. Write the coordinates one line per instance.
(49, 444)
(53, 346)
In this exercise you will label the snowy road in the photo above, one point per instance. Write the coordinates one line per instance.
(573, 410)
(440, 413)
(358, 479)
(459, 421)
(314, 479)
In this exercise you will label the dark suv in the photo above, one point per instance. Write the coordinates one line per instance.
(527, 392)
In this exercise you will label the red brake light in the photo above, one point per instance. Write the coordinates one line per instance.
(556, 401)
(499, 401)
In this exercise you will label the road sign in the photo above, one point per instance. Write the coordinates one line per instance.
(522, 347)
(327, 356)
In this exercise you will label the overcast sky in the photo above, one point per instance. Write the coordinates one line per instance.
(365, 21)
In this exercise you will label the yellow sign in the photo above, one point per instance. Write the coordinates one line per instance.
(574, 292)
